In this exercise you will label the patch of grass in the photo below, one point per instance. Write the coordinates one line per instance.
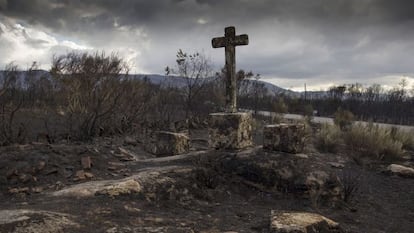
(328, 138)
(351, 183)
(405, 137)
(373, 141)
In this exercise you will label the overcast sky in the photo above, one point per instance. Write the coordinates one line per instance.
(292, 42)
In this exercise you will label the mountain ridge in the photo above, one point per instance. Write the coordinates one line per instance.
(165, 80)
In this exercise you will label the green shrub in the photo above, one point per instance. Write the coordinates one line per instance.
(328, 138)
(343, 118)
(373, 141)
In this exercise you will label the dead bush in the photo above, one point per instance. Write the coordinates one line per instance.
(328, 138)
(11, 101)
(350, 181)
(90, 85)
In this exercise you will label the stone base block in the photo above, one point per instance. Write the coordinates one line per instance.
(288, 138)
(232, 131)
(163, 143)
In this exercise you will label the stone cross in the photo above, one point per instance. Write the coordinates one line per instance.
(230, 41)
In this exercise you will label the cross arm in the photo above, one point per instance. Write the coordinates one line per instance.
(218, 42)
(241, 40)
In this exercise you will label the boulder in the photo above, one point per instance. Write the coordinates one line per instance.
(230, 130)
(301, 222)
(401, 170)
(288, 138)
(164, 143)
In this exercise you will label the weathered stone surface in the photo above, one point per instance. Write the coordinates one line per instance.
(108, 187)
(301, 222)
(401, 170)
(163, 143)
(34, 221)
(86, 162)
(230, 130)
(284, 137)
(229, 41)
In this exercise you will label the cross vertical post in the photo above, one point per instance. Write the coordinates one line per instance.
(230, 41)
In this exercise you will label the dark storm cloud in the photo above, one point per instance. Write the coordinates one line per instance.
(172, 12)
(288, 38)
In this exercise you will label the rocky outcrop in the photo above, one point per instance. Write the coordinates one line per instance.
(148, 183)
(401, 170)
(108, 187)
(288, 138)
(164, 143)
(301, 222)
(35, 221)
(231, 131)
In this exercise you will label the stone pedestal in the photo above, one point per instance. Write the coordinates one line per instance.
(231, 131)
(164, 143)
(288, 138)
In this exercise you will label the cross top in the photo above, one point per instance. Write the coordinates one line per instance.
(229, 42)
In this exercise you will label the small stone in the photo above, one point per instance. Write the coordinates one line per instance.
(336, 165)
(37, 189)
(302, 156)
(116, 164)
(89, 175)
(86, 162)
(401, 170)
(41, 165)
(80, 175)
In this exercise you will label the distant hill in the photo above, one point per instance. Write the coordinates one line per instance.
(171, 81)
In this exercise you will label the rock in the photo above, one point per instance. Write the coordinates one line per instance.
(288, 138)
(163, 143)
(230, 130)
(336, 165)
(80, 175)
(37, 189)
(401, 170)
(301, 222)
(108, 187)
(40, 165)
(127, 155)
(86, 162)
(35, 221)
(89, 175)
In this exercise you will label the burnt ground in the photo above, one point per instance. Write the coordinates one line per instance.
(219, 191)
